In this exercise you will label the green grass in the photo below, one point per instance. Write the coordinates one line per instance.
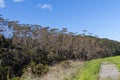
(91, 68)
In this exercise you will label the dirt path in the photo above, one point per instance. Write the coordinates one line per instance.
(109, 72)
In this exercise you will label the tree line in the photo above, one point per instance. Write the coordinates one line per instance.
(23, 45)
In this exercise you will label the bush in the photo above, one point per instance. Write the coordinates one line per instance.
(40, 69)
(15, 78)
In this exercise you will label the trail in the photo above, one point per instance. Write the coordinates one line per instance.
(109, 71)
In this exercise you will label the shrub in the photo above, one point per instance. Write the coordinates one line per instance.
(40, 69)
(15, 78)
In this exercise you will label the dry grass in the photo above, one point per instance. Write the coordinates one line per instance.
(59, 72)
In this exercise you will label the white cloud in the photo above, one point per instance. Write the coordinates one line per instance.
(17, 0)
(45, 6)
(2, 4)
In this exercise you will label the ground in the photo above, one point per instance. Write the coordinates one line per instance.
(108, 71)
(98, 69)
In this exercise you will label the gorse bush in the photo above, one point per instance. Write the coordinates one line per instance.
(15, 78)
(40, 69)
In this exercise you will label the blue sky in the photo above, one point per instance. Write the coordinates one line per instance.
(100, 17)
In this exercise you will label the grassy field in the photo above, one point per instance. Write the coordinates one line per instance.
(91, 68)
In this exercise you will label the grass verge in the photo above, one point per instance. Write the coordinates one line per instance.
(91, 69)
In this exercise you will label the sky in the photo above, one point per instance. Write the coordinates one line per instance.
(100, 17)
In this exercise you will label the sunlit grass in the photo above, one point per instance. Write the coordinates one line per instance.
(91, 69)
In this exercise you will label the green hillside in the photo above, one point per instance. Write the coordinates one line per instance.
(91, 69)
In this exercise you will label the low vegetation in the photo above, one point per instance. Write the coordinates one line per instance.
(60, 71)
(91, 69)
